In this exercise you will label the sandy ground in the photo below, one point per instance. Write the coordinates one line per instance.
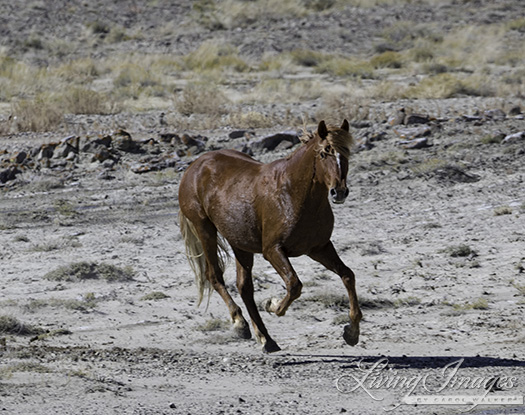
(435, 323)
(423, 308)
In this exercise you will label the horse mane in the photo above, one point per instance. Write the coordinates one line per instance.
(340, 140)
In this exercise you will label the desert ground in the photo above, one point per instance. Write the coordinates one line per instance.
(103, 105)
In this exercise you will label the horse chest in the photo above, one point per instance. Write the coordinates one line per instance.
(309, 228)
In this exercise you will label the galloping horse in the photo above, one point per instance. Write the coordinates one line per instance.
(280, 209)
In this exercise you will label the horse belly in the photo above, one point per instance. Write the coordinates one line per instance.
(239, 225)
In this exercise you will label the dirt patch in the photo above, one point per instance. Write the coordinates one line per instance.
(434, 234)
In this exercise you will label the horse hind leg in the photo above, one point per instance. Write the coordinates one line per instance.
(211, 271)
(245, 287)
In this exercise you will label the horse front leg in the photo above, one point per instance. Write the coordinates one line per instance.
(282, 265)
(328, 257)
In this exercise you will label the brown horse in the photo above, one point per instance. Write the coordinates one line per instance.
(280, 209)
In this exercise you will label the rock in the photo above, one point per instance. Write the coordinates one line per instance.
(271, 142)
(284, 145)
(19, 157)
(156, 164)
(122, 141)
(451, 173)
(516, 110)
(170, 138)
(416, 119)
(514, 138)
(361, 124)
(105, 175)
(398, 118)
(415, 144)
(415, 132)
(190, 141)
(67, 146)
(239, 134)
(494, 115)
(105, 141)
(46, 151)
(9, 174)
(101, 154)
(405, 117)
(364, 144)
(471, 118)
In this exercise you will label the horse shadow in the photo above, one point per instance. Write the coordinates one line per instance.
(401, 362)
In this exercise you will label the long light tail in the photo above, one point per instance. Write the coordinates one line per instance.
(196, 257)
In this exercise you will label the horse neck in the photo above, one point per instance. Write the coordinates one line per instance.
(302, 172)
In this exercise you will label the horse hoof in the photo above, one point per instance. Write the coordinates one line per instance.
(351, 335)
(271, 347)
(271, 305)
(242, 330)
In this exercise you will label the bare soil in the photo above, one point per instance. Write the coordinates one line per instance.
(435, 236)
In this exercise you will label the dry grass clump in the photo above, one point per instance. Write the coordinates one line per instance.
(446, 85)
(201, 98)
(81, 271)
(478, 304)
(337, 106)
(42, 113)
(214, 55)
(80, 100)
(132, 79)
(11, 325)
(461, 250)
(280, 90)
(214, 324)
(46, 111)
(154, 296)
(307, 57)
(80, 70)
(250, 119)
(388, 59)
(502, 210)
(517, 24)
(84, 304)
(345, 67)
(405, 34)
(239, 13)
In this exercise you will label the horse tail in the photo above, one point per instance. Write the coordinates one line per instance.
(196, 258)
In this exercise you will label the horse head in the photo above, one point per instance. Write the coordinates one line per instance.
(334, 145)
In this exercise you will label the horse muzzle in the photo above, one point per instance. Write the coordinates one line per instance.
(339, 195)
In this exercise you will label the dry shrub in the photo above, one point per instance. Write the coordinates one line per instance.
(85, 101)
(40, 114)
(239, 13)
(446, 85)
(341, 66)
(213, 55)
(307, 57)
(134, 75)
(79, 70)
(385, 91)
(81, 271)
(11, 325)
(201, 98)
(285, 91)
(388, 59)
(335, 107)
(250, 119)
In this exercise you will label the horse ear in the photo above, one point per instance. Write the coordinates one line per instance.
(345, 126)
(322, 130)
